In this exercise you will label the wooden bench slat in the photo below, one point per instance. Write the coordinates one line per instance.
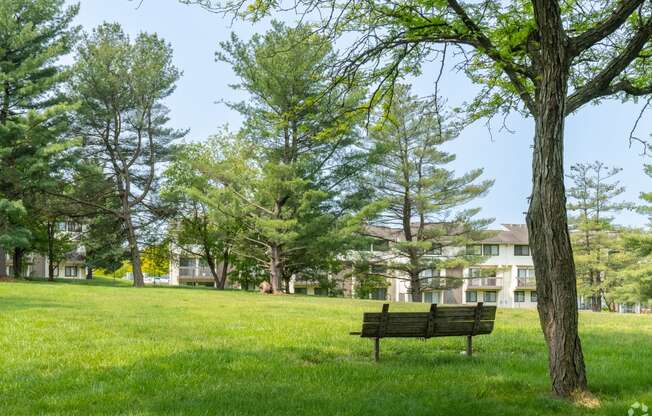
(398, 320)
(458, 328)
(451, 312)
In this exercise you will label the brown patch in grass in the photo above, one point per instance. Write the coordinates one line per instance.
(585, 399)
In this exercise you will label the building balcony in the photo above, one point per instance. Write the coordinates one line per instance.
(434, 283)
(195, 272)
(485, 282)
(526, 282)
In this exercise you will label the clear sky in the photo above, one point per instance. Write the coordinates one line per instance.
(595, 133)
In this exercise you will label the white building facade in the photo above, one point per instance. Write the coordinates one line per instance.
(505, 278)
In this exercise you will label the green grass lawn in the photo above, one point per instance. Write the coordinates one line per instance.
(105, 348)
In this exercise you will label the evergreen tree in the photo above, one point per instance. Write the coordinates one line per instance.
(34, 114)
(421, 195)
(593, 198)
(121, 84)
(304, 135)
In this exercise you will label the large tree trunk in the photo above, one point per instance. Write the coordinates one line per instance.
(18, 256)
(225, 268)
(219, 277)
(3, 263)
(547, 219)
(89, 273)
(139, 280)
(275, 269)
(415, 287)
(51, 257)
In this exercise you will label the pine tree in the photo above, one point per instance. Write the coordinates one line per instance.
(121, 84)
(593, 196)
(304, 134)
(421, 195)
(34, 35)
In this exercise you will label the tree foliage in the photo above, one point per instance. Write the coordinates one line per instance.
(301, 138)
(416, 190)
(34, 113)
(121, 85)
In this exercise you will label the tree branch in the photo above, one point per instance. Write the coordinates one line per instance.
(597, 33)
(599, 86)
(513, 71)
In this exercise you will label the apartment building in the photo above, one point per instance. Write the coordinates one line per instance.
(72, 267)
(189, 268)
(505, 278)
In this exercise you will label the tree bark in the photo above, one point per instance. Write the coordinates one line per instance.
(415, 287)
(139, 280)
(275, 269)
(51, 257)
(225, 268)
(3, 263)
(18, 256)
(89, 273)
(547, 219)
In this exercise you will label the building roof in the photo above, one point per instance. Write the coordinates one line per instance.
(509, 234)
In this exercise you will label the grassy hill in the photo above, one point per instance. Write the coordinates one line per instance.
(105, 349)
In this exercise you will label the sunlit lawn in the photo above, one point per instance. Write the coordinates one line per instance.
(111, 349)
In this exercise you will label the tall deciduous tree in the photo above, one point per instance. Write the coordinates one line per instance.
(421, 194)
(592, 200)
(544, 58)
(304, 134)
(34, 35)
(121, 85)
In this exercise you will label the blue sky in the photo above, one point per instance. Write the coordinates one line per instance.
(595, 133)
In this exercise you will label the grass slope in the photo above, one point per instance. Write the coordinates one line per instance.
(106, 349)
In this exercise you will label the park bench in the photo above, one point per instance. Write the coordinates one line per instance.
(446, 321)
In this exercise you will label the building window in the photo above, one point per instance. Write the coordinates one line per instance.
(521, 250)
(525, 272)
(186, 262)
(490, 250)
(71, 271)
(471, 296)
(475, 272)
(474, 249)
(519, 296)
(378, 269)
(490, 297)
(533, 297)
(427, 297)
(380, 245)
(435, 251)
(300, 291)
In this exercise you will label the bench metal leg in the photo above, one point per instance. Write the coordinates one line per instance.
(469, 345)
(377, 349)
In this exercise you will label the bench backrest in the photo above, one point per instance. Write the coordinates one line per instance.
(441, 321)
